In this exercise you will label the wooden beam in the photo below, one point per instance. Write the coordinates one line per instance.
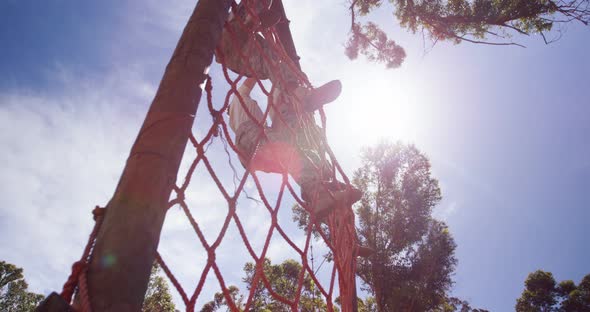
(284, 32)
(128, 238)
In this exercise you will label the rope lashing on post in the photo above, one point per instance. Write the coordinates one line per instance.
(77, 279)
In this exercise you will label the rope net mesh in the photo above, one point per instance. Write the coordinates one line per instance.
(214, 169)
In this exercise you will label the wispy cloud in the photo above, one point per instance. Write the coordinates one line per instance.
(63, 151)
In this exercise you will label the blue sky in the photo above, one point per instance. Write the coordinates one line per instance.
(506, 130)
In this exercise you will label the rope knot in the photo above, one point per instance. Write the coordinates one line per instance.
(200, 149)
(232, 205)
(180, 195)
(217, 117)
(98, 212)
(211, 256)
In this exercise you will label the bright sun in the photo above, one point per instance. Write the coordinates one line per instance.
(381, 108)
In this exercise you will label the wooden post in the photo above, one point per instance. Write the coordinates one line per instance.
(284, 32)
(128, 238)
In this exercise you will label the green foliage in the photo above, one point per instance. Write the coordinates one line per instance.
(302, 218)
(566, 287)
(414, 260)
(477, 21)
(219, 300)
(283, 280)
(157, 297)
(367, 305)
(14, 296)
(574, 299)
(372, 42)
(539, 293)
(411, 269)
(542, 294)
(453, 304)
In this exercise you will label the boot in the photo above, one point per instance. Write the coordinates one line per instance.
(326, 203)
(316, 98)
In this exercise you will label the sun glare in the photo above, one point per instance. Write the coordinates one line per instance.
(382, 108)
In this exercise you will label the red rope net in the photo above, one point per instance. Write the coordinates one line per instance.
(246, 43)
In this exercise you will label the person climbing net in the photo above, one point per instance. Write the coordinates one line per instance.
(283, 139)
(292, 142)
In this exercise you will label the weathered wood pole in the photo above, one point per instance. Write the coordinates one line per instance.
(128, 238)
(284, 32)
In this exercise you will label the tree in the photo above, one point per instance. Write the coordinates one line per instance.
(367, 305)
(157, 297)
(575, 298)
(14, 296)
(480, 21)
(454, 304)
(541, 293)
(283, 279)
(414, 259)
(219, 300)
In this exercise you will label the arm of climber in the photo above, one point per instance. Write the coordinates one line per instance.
(241, 104)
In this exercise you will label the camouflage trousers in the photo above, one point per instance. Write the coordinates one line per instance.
(278, 151)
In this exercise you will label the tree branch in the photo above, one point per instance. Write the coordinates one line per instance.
(487, 42)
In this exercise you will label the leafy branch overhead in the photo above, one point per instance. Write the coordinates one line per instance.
(492, 22)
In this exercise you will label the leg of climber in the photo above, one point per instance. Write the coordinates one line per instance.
(259, 147)
(239, 108)
(324, 201)
(313, 172)
(246, 52)
(320, 194)
(246, 120)
(278, 153)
